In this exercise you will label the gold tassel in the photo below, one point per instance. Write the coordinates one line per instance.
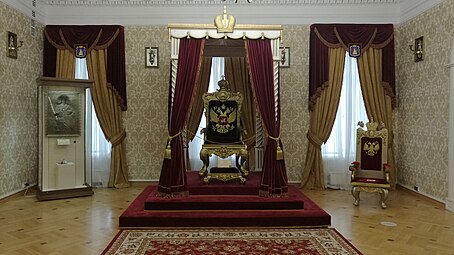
(168, 151)
(279, 152)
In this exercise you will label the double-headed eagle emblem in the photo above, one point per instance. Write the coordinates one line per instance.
(222, 118)
(371, 148)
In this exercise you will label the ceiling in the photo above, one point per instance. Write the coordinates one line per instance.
(162, 12)
(210, 2)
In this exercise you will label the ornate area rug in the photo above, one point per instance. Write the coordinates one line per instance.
(230, 242)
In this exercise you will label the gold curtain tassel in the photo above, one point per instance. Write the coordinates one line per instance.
(168, 151)
(279, 153)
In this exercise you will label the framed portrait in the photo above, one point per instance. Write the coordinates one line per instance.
(62, 113)
(285, 57)
(151, 57)
(418, 50)
(11, 46)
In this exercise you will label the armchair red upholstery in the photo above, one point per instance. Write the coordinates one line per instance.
(370, 171)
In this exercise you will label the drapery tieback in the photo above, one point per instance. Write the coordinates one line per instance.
(313, 138)
(279, 152)
(168, 151)
(118, 138)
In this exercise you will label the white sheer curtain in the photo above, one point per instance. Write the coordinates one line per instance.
(340, 149)
(217, 71)
(100, 147)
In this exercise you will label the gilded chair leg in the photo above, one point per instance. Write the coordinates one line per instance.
(243, 163)
(355, 193)
(204, 156)
(384, 197)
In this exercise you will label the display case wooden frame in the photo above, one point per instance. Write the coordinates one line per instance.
(64, 157)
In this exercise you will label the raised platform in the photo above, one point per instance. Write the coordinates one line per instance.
(222, 206)
(196, 185)
(219, 195)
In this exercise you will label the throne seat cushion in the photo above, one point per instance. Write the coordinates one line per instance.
(376, 182)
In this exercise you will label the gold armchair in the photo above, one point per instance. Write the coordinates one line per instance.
(223, 134)
(370, 171)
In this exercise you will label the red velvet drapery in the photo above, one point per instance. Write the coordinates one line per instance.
(324, 36)
(274, 174)
(94, 37)
(172, 181)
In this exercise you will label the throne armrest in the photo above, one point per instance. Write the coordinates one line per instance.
(354, 167)
(386, 170)
(242, 131)
(203, 131)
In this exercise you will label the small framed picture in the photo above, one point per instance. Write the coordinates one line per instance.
(11, 50)
(151, 57)
(419, 46)
(285, 57)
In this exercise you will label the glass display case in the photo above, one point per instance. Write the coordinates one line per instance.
(64, 143)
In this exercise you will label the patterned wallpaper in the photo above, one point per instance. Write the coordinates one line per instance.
(294, 100)
(422, 112)
(18, 103)
(421, 117)
(146, 118)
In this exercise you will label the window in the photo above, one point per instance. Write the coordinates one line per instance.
(100, 147)
(340, 149)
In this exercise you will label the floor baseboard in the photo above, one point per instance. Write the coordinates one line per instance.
(421, 195)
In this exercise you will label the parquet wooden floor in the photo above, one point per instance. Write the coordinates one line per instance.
(86, 225)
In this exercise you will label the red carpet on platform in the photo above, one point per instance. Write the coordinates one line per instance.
(231, 242)
(223, 204)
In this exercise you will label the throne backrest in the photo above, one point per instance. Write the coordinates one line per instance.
(371, 150)
(223, 112)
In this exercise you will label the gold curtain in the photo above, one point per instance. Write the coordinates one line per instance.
(322, 120)
(378, 104)
(109, 113)
(197, 105)
(238, 77)
(65, 64)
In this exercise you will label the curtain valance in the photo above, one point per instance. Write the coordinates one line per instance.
(324, 36)
(95, 37)
(340, 35)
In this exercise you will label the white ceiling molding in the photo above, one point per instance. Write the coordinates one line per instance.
(412, 8)
(282, 15)
(209, 2)
(163, 12)
(25, 7)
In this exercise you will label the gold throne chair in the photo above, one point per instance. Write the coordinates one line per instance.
(370, 171)
(223, 134)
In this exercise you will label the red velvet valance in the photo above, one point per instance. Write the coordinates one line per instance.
(95, 37)
(324, 36)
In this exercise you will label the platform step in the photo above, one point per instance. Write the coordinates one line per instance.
(224, 202)
(217, 187)
(136, 217)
